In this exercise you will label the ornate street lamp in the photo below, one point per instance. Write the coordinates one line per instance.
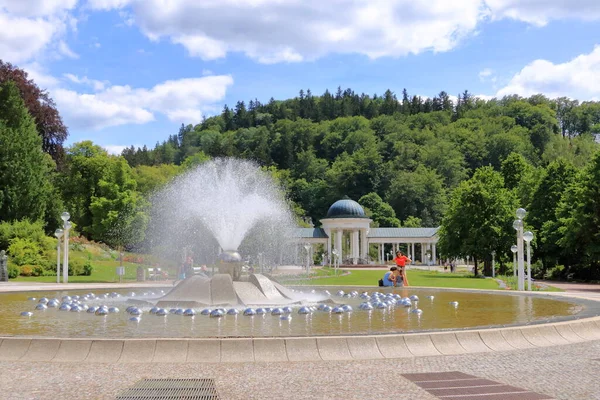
(528, 237)
(514, 249)
(66, 227)
(58, 233)
(518, 225)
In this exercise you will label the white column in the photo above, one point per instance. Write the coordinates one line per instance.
(423, 253)
(433, 254)
(338, 244)
(379, 252)
(412, 251)
(354, 246)
(364, 248)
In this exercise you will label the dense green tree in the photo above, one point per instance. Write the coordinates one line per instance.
(382, 213)
(479, 218)
(41, 107)
(150, 178)
(579, 221)
(25, 171)
(557, 177)
(117, 209)
(419, 194)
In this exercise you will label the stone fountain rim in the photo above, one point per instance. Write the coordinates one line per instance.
(311, 348)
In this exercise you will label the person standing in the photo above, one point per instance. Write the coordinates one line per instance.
(401, 261)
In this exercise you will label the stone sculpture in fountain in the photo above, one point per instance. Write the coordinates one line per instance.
(234, 205)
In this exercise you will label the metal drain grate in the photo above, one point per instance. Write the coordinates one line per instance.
(171, 389)
(454, 385)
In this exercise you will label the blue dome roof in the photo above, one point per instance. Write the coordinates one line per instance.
(346, 208)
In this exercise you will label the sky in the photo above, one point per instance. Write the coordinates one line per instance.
(130, 72)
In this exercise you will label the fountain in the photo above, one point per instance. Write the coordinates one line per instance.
(223, 212)
(233, 203)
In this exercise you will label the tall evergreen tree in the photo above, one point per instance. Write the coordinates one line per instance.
(25, 188)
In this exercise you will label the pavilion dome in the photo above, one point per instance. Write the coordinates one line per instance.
(346, 208)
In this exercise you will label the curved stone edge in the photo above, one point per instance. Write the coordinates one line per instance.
(331, 348)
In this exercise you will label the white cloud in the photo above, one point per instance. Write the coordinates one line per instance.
(540, 12)
(36, 8)
(114, 149)
(39, 75)
(108, 4)
(97, 85)
(22, 38)
(88, 111)
(484, 73)
(64, 49)
(182, 100)
(29, 27)
(578, 78)
(272, 31)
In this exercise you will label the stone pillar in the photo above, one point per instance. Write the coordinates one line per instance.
(338, 244)
(423, 253)
(412, 251)
(379, 253)
(329, 257)
(354, 246)
(364, 247)
(433, 254)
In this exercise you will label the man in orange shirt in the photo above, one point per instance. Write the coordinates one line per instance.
(401, 261)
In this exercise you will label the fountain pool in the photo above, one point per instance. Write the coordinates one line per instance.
(474, 310)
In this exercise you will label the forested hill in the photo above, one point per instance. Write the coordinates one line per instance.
(409, 152)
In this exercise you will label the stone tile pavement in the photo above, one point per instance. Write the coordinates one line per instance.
(567, 372)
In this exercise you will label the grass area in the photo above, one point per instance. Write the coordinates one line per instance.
(415, 278)
(511, 282)
(104, 271)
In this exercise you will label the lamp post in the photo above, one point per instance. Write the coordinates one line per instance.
(467, 262)
(58, 233)
(67, 225)
(528, 237)
(514, 249)
(493, 264)
(518, 225)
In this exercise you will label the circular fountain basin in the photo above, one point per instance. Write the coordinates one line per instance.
(440, 310)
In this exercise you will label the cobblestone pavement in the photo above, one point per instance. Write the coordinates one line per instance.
(565, 372)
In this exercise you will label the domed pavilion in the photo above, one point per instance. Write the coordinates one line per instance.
(346, 230)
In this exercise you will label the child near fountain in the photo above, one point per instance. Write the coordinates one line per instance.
(392, 278)
(401, 261)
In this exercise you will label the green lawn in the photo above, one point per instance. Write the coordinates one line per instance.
(415, 278)
(104, 271)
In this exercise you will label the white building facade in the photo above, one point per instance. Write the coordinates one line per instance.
(346, 231)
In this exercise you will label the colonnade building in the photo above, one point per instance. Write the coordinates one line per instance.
(347, 231)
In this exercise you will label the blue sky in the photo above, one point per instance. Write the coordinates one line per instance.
(128, 72)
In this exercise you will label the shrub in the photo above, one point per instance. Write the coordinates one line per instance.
(88, 268)
(25, 229)
(13, 271)
(75, 268)
(26, 270)
(556, 273)
(25, 252)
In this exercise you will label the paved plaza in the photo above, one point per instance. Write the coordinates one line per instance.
(568, 371)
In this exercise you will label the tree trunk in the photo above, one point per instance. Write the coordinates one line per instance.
(487, 268)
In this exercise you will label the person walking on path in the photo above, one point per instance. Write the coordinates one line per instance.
(401, 261)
